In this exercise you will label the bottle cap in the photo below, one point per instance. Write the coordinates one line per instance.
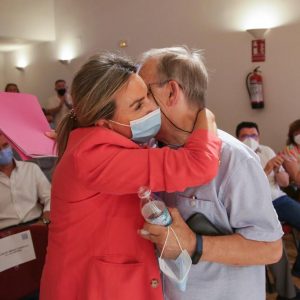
(144, 192)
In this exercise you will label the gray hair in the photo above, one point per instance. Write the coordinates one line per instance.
(183, 65)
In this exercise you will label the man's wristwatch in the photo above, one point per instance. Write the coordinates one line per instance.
(198, 251)
(45, 221)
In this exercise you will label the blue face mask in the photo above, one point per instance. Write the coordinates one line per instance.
(6, 156)
(145, 128)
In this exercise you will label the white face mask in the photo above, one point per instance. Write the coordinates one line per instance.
(176, 270)
(297, 139)
(252, 143)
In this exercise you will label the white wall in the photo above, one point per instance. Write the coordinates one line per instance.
(39, 76)
(214, 25)
(30, 19)
(1, 72)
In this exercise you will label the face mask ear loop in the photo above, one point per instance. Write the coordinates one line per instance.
(165, 244)
(176, 237)
(119, 123)
(186, 131)
(186, 274)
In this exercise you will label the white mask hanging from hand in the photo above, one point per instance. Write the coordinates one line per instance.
(176, 270)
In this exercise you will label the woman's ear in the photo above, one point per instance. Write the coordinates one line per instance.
(104, 123)
(173, 93)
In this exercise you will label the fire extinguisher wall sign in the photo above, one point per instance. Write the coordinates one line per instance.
(258, 50)
(254, 83)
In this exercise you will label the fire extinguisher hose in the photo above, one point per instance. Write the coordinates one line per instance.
(247, 83)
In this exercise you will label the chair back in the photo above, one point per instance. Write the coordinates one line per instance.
(24, 279)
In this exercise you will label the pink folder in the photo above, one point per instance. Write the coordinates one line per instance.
(23, 122)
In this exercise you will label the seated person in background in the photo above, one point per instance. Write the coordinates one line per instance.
(59, 104)
(292, 163)
(24, 190)
(11, 88)
(288, 209)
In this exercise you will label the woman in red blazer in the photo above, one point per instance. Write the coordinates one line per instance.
(94, 251)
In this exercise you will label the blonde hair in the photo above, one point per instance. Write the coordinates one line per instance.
(183, 65)
(92, 92)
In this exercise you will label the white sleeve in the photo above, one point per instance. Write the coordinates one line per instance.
(51, 103)
(43, 188)
(69, 99)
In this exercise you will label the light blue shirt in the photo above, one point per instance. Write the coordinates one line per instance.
(238, 200)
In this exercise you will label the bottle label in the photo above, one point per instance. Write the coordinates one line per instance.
(163, 219)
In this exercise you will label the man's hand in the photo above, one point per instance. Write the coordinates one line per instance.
(45, 218)
(46, 215)
(157, 234)
(273, 164)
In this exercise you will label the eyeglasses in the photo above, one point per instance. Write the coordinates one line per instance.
(149, 85)
(251, 136)
(161, 83)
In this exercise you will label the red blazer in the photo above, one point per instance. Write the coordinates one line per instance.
(94, 251)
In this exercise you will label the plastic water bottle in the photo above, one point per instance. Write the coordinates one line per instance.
(153, 208)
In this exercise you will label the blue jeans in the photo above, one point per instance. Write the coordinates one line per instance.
(288, 211)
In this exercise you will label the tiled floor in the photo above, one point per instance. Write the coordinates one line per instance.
(291, 250)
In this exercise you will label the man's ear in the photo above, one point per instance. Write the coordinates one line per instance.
(173, 93)
(104, 123)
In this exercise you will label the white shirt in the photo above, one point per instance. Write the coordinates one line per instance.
(54, 101)
(265, 153)
(23, 195)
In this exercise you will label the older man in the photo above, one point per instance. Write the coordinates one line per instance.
(24, 190)
(231, 266)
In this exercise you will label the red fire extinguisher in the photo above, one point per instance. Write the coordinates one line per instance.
(254, 83)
